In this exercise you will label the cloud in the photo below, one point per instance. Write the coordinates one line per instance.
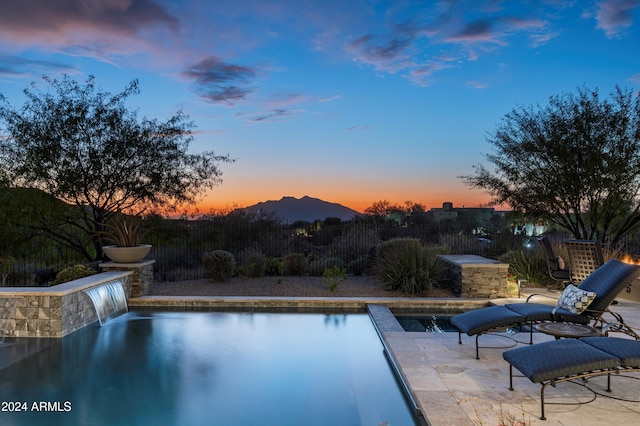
(477, 84)
(413, 43)
(354, 128)
(421, 75)
(498, 30)
(16, 66)
(385, 53)
(270, 116)
(613, 16)
(476, 31)
(539, 39)
(113, 24)
(282, 100)
(221, 82)
(330, 98)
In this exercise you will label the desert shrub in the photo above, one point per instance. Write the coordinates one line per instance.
(295, 264)
(358, 266)
(530, 264)
(317, 267)
(219, 265)
(330, 262)
(356, 242)
(253, 264)
(274, 267)
(404, 264)
(73, 273)
(464, 244)
(372, 254)
(334, 276)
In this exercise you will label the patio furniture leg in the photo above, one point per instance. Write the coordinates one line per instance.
(510, 377)
(542, 417)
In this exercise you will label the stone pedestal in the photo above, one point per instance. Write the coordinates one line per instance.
(476, 276)
(141, 279)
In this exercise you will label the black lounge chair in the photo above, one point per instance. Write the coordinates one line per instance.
(558, 361)
(606, 282)
(555, 264)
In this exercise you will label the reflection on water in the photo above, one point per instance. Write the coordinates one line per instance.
(212, 368)
(426, 323)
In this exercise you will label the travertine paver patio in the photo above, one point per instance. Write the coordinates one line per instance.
(452, 387)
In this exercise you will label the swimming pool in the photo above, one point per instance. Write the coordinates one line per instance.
(212, 368)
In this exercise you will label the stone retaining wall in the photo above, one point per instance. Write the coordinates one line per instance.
(53, 311)
(476, 276)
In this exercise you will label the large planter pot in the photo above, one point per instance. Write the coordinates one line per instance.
(127, 254)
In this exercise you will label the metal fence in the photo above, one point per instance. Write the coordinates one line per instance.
(178, 245)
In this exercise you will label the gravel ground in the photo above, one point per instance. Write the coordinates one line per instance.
(290, 286)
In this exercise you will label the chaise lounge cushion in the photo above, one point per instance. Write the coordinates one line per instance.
(479, 320)
(627, 350)
(608, 281)
(559, 358)
(543, 312)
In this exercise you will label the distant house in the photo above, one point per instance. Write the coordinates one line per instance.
(531, 229)
(479, 220)
(447, 212)
(475, 214)
(475, 220)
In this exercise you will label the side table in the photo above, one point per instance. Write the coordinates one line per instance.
(568, 330)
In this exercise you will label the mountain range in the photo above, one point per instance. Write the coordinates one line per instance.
(308, 209)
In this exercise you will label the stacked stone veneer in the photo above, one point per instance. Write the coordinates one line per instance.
(53, 311)
(476, 276)
(141, 278)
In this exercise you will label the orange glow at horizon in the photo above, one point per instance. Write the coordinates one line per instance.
(218, 202)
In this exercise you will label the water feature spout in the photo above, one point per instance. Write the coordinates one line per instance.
(108, 299)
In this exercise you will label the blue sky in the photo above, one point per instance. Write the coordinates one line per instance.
(351, 101)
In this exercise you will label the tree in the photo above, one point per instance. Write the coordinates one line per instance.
(84, 147)
(575, 162)
(381, 208)
(414, 208)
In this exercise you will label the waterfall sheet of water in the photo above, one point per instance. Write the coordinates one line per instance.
(7, 309)
(108, 299)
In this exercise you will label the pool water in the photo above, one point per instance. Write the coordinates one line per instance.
(426, 323)
(209, 368)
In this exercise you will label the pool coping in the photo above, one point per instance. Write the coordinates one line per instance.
(442, 305)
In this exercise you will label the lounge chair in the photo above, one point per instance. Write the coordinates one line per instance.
(558, 361)
(555, 264)
(585, 256)
(606, 282)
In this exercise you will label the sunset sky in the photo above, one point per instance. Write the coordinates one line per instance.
(350, 101)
